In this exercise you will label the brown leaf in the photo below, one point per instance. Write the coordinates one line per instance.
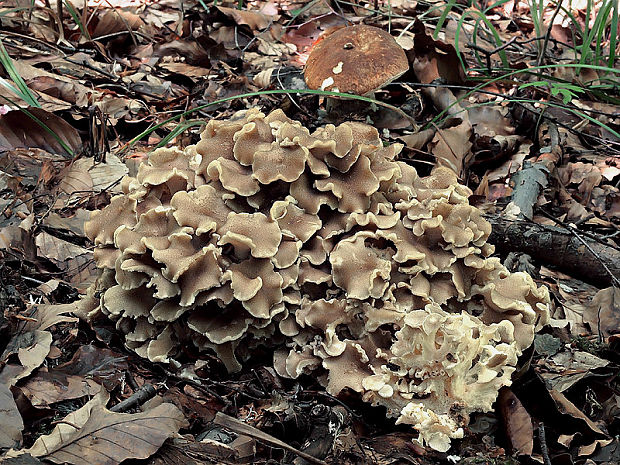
(603, 313)
(571, 367)
(74, 261)
(517, 422)
(419, 139)
(31, 348)
(11, 424)
(566, 407)
(193, 403)
(192, 52)
(489, 121)
(253, 19)
(58, 250)
(63, 88)
(49, 315)
(93, 434)
(185, 69)
(31, 165)
(433, 59)
(103, 365)
(73, 224)
(180, 450)
(114, 20)
(451, 146)
(31, 342)
(86, 175)
(590, 448)
(47, 388)
(19, 130)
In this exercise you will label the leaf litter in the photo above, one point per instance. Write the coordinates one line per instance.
(538, 148)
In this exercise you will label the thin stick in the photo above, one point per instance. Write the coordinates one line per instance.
(247, 430)
(543, 444)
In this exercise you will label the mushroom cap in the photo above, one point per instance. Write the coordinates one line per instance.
(356, 59)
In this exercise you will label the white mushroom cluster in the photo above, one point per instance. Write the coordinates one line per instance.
(364, 274)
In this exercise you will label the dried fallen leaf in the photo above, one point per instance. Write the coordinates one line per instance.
(57, 250)
(93, 434)
(434, 59)
(517, 422)
(11, 424)
(63, 88)
(17, 129)
(85, 175)
(47, 388)
(73, 224)
(116, 20)
(31, 342)
(603, 313)
(31, 348)
(566, 407)
(451, 146)
(571, 367)
(254, 19)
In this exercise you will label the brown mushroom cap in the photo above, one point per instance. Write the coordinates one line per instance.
(357, 60)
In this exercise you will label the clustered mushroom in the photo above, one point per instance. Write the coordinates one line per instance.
(366, 275)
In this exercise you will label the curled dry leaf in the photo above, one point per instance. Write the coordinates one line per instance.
(59, 251)
(571, 367)
(93, 434)
(570, 410)
(517, 422)
(64, 88)
(254, 19)
(603, 313)
(433, 59)
(11, 424)
(80, 376)
(32, 343)
(114, 20)
(31, 348)
(17, 129)
(47, 388)
(452, 147)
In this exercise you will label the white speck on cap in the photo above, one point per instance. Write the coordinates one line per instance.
(338, 68)
(327, 82)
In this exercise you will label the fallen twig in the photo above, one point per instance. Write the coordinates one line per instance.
(242, 428)
(570, 257)
(137, 398)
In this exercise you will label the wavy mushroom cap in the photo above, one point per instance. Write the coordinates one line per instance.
(326, 247)
(357, 59)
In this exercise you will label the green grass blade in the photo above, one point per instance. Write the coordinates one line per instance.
(485, 20)
(76, 17)
(324, 93)
(22, 89)
(443, 114)
(13, 10)
(299, 11)
(613, 39)
(495, 5)
(444, 14)
(44, 126)
(181, 127)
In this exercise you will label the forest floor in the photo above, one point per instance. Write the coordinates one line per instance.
(519, 98)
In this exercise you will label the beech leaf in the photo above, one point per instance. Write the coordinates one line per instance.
(93, 434)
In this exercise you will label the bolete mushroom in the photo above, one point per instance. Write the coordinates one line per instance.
(357, 60)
